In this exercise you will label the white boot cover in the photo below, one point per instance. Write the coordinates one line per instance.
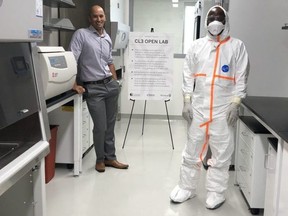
(214, 200)
(179, 195)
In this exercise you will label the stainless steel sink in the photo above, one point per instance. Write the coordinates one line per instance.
(7, 148)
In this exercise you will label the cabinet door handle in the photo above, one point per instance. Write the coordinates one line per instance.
(23, 111)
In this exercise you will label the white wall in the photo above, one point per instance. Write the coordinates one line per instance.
(160, 15)
(258, 24)
(118, 10)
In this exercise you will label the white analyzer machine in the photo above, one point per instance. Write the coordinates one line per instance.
(58, 70)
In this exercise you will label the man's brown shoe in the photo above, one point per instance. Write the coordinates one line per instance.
(100, 167)
(116, 164)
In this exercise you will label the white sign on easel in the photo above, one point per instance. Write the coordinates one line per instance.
(150, 66)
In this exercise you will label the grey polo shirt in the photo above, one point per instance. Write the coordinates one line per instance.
(93, 54)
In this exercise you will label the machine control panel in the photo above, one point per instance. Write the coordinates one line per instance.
(58, 61)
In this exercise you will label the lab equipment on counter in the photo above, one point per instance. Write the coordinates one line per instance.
(58, 70)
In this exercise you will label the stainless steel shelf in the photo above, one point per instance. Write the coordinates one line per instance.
(59, 24)
(62, 28)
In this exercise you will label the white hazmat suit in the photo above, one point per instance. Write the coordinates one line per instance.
(218, 65)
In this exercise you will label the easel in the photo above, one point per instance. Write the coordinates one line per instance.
(152, 30)
(144, 121)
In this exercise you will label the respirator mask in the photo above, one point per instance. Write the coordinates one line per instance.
(215, 27)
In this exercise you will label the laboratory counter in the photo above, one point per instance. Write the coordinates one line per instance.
(272, 113)
(59, 98)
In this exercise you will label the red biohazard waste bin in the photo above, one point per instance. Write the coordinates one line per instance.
(50, 158)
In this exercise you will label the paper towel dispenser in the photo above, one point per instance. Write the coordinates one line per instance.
(58, 70)
(119, 35)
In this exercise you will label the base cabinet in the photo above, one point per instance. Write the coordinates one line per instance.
(63, 116)
(251, 148)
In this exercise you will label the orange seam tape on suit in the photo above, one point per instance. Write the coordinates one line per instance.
(212, 94)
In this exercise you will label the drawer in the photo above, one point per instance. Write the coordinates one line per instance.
(246, 152)
(85, 108)
(85, 122)
(85, 139)
(246, 134)
(245, 169)
(245, 188)
(85, 142)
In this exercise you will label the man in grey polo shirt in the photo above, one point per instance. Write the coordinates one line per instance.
(96, 78)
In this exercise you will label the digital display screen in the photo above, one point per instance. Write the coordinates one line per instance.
(58, 62)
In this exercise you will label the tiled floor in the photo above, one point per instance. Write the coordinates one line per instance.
(143, 189)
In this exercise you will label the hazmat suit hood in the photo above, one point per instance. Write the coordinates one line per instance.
(225, 32)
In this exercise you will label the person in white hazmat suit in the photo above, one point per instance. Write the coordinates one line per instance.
(218, 65)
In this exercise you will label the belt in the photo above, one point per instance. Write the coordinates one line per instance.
(103, 81)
